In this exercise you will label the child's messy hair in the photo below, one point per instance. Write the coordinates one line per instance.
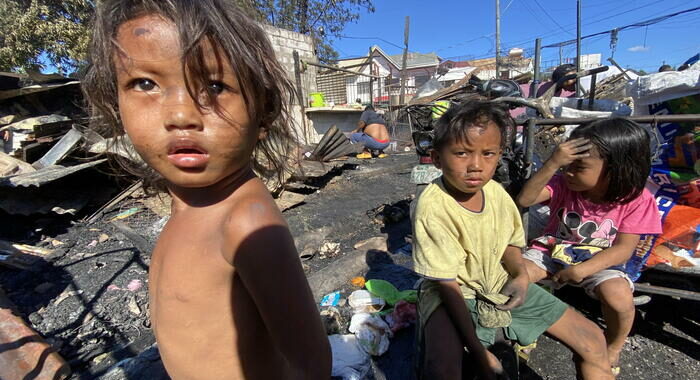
(624, 145)
(264, 84)
(454, 123)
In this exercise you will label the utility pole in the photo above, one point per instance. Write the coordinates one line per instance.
(561, 55)
(578, 45)
(403, 63)
(498, 37)
(300, 94)
(536, 74)
(371, 80)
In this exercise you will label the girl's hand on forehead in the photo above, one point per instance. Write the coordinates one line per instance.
(570, 151)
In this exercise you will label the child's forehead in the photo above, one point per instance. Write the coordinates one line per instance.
(477, 134)
(148, 38)
(151, 38)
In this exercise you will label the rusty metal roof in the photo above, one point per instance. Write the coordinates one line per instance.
(45, 175)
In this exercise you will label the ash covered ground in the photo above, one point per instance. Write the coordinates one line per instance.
(89, 297)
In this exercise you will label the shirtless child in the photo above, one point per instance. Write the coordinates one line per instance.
(197, 89)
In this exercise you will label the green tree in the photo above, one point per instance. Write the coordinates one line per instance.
(39, 33)
(323, 20)
(36, 31)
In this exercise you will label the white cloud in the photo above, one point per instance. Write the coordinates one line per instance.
(638, 49)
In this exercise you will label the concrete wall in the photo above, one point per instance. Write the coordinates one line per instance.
(284, 42)
(346, 120)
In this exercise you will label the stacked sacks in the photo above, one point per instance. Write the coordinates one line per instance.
(675, 176)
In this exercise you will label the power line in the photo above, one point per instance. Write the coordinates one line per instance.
(630, 26)
(545, 34)
(551, 18)
(532, 12)
(373, 38)
(625, 12)
(507, 6)
(553, 32)
(487, 36)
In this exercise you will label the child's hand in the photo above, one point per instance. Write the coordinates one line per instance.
(516, 289)
(570, 151)
(483, 367)
(570, 275)
(487, 373)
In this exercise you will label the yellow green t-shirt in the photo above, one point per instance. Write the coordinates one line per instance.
(453, 243)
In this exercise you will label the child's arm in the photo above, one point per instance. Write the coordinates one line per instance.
(516, 287)
(269, 267)
(534, 190)
(458, 312)
(618, 254)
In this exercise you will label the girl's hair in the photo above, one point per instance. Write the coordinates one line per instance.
(264, 84)
(454, 123)
(624, 145)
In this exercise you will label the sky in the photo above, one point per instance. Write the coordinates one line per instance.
(461, 29)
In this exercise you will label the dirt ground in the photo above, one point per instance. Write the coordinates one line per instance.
(89, 297)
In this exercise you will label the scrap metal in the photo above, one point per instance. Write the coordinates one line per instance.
(333, 144)
(46, 175)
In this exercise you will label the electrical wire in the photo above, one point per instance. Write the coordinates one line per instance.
(640, 24)
(507, 6)
(553, 32)
(372, 38)
(552, 18)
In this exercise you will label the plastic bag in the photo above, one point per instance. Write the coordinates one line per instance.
(388, 292)
(362, 301)
(428, 88)
(404, 315)
(682, 228)
(372, 333)
(350, 361)
(660, 87)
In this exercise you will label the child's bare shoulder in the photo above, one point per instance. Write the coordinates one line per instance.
(254, 218)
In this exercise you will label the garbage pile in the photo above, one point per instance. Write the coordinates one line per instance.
(44, 139)
(675, 177)
(379, 310)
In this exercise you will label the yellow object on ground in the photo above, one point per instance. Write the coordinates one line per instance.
(524, 351)
(364, 155)
(358, 281)
(382, 155)
(125, 214)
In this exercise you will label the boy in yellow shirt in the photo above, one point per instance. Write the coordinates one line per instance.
(469, 239)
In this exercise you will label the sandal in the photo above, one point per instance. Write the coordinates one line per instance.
(523, 352)
(364, 155)
(616, 371)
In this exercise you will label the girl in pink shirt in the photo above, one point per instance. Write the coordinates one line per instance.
(599, 209)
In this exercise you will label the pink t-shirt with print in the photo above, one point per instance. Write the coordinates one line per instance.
(576, 220)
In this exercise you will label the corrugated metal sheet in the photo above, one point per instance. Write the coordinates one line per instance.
(45, 175)
(7, 94)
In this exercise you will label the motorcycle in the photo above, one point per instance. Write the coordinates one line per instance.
(513, 168)
(423, 117)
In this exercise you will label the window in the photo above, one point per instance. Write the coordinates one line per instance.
(421, 79)
(363, 88)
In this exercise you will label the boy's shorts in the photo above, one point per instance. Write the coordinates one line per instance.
(544, 261)
(529, 320)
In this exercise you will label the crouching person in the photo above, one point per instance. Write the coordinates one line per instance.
(469, 239)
